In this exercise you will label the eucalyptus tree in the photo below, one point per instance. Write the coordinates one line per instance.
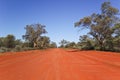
(33, 33)
(101, 24)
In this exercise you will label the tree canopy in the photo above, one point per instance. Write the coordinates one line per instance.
(33, 33)
(101, 25)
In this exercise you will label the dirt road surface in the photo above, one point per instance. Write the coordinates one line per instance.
(60, 64)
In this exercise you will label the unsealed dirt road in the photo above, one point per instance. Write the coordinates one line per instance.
(59, 64)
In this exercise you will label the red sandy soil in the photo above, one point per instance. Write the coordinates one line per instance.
(60, 64)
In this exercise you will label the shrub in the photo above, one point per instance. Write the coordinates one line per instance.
(27, 48)
(3, 49)
(18, 48)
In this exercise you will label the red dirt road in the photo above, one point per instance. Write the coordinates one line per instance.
(59, 64)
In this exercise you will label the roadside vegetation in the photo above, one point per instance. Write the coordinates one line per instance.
(33, 39)
(104, 30)
(104, 34)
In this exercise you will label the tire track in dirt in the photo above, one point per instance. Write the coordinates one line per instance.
(24, 58)
(99, 60)
(58, 64)
(97, 65)
(27, 64)
(68, 67)
(77, 73)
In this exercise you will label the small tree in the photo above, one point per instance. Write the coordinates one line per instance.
(10, 41)
(63, 43)
(43, 42)
(53, 45)
(71, 45)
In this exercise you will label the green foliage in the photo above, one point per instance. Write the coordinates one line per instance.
(53, 45)
(27, 48)
(102, 26)
(86, 43)
(116, 29)
(18, 42)
(67, 44)
(43, 42)
(116, 43)
(10, 41)
(63, 43)
(33, 39)
(33, 33)
(18, 48)
(2, 42)
(3, 49)
(71, 45)
(26, 44)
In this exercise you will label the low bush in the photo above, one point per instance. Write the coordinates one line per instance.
(27, 48)
(18, 48)
(3, 49)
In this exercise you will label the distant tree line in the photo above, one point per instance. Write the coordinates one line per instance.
(33, 40)
(67, 44)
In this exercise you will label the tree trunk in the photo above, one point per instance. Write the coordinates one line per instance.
(102, 45)
(35, 44)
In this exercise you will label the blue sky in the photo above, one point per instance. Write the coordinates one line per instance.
(59, 16)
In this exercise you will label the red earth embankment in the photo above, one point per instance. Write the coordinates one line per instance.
(59, 64)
